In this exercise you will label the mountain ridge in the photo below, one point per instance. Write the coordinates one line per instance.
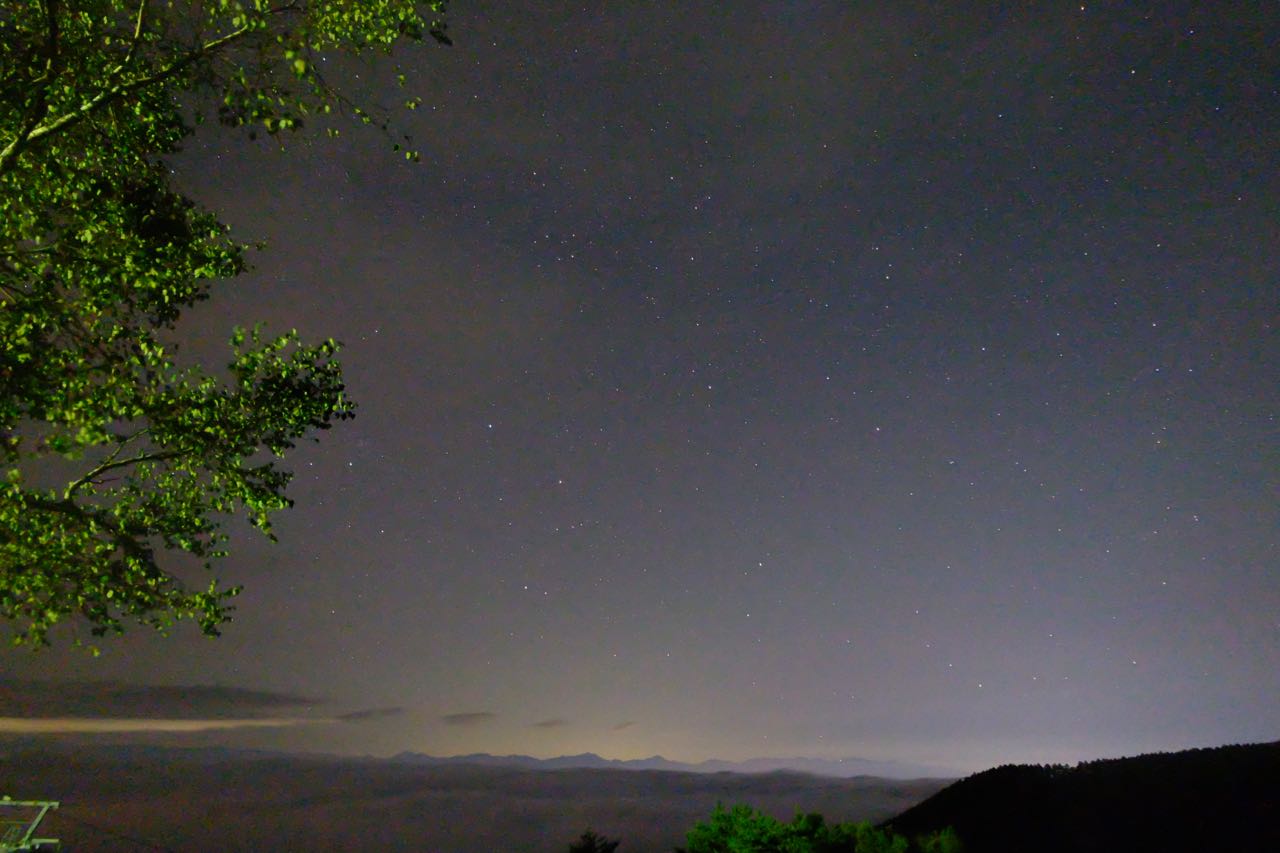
(842, 768)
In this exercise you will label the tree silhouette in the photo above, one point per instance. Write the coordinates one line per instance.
(592, 843)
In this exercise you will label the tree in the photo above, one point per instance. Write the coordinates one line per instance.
(113, 454)
(742, 829)
(592, 843)
(942, 841)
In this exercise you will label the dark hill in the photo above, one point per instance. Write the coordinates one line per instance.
(1227, 798)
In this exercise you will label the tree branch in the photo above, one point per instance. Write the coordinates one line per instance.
(139, 23)
(40, 104)
(113, 461)
(113, 91)
(107, 95)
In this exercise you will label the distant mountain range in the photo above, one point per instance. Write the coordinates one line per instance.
(836, 768)
(842, 768)
(115, 798)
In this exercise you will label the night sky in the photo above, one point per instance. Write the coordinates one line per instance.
(815, 378)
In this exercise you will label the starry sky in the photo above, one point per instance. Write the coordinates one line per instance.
(814, 378)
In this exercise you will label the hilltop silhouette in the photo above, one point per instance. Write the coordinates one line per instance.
(1225, 798)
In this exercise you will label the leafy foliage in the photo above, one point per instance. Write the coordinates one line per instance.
(745, 830)
(112, 452)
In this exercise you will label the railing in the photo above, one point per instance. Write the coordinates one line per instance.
(19, 834)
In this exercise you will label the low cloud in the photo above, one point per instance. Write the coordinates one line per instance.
(468, 718)
(101, 707)
(107, 725)
(553, 723)
(369, 714)
(625, 724)
(111, 699)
